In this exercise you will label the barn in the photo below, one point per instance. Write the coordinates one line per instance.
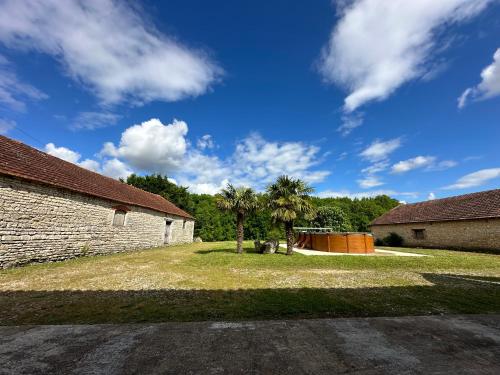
(52, 210)
(469, 222)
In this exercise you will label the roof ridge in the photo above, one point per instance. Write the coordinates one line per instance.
(31, 163)
(430, 201)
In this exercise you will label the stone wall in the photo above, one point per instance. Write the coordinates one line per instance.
(40, 223)
(481, 234)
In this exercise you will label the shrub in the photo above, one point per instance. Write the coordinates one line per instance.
(393, 239)
(379, 242)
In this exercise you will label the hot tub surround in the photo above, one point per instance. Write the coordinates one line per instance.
(353, 243)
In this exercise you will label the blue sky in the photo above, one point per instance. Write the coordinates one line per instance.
(357, 97)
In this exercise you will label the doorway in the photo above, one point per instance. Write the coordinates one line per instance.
(168, 230)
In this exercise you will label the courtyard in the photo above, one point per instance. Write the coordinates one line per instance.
(209, 281)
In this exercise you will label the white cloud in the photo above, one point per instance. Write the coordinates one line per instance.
(380, 150)
(6, 125)
(377, 46)
(369, 182)
(431, 196)
(62, 153)
(14, 92)
(442, 165)
(111, 167)
(413, 163)
(475, 179)
(429, 162)
(489, 86)
(364, 194)
(94, 120)
(115, 168)
(375, 167)
(350, 122)
(205, 142)
(255, 162)
(151, 146)
(109, 47)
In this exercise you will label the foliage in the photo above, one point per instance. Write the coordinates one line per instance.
(158, 184)
(288, 199)
(215, 225)
(393, 239)
(239, 201)
(332, 217)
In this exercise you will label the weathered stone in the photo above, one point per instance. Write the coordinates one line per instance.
(43, 223)
(479, 234)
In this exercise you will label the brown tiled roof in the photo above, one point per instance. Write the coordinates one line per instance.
(482, 205)
(20, 160)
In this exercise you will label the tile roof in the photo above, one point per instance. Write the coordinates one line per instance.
(482, 205)
(22, 161)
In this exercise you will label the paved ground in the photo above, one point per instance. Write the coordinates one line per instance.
(410, 345)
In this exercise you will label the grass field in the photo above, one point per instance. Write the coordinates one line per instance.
(208, 281)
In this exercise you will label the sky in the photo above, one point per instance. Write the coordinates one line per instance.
(356, 97)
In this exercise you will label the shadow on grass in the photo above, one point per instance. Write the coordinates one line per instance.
(452, 294)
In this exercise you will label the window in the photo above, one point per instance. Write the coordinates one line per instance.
(119, 218)
(419, 234)
(184, 224)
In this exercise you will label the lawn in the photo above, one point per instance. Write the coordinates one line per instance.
(208, 281)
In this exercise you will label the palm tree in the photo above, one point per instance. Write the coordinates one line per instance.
(241, 201)
(288, 200)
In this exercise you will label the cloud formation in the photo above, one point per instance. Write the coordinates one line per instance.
(414, 163)
(6, 125)
(130, 59)
(377, 46)
(380, 150)
(94, 120)
(489, 86)
(475, 179)
(13, 91)
(151, 146)
(154, 147)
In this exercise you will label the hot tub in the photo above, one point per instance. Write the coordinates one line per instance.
(352, 243)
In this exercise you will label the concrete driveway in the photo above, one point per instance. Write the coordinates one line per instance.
(409, 345)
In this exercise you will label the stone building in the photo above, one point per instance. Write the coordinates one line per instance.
(52, 210)
(469, 222)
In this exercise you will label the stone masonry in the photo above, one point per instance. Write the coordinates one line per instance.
(41, 223)
(479, 234)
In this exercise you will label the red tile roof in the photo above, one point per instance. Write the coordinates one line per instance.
(20, 160)
(482, 205)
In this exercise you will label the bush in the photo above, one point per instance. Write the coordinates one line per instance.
(379, 242)
(393, 239)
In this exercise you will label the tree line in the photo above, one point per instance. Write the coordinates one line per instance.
(214, 224)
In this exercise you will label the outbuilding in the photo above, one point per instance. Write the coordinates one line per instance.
(52, 210)
(469, 222)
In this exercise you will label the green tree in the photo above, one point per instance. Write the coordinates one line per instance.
(332, 217)
(289, 199)
(158, 184)
(240, 201)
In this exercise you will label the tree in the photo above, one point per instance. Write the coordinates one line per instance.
(161, 185)
(332, 217)
(289, 199)
(240, 201)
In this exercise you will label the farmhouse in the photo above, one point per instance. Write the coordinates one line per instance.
(470, 221)
(51, 210)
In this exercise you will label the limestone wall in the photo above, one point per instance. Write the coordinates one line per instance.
(481, 234)
(41, 223)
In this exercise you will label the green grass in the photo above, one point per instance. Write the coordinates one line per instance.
(208, 281)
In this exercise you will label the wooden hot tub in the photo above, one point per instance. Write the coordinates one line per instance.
(352, 243)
